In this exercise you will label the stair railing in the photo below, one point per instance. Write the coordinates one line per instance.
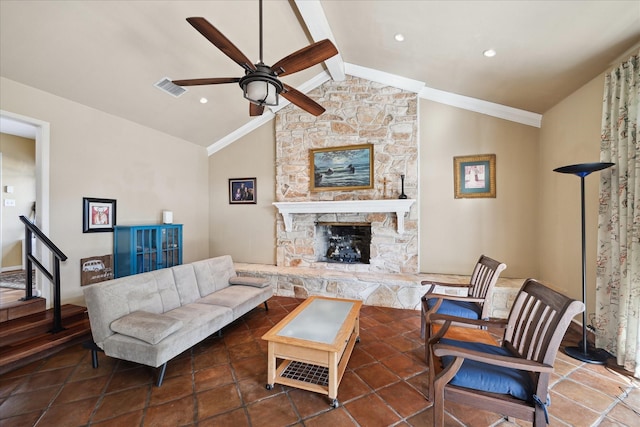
(30, 229)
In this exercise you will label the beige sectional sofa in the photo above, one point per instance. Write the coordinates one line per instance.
(152, 317)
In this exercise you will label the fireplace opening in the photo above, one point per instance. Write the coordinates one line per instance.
(347, 243)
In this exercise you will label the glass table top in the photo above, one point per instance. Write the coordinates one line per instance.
(320, 321)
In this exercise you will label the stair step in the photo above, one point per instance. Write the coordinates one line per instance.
(35, 348)
(38, 323)
(16, 309)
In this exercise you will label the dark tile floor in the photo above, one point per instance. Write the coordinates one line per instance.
(221, 382)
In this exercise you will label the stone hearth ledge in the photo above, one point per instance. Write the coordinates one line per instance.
(399, 206)
(396, 290)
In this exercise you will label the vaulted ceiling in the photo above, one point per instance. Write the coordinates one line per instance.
(109, 54)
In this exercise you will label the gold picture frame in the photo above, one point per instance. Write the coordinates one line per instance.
(474, 176)
(341, 168)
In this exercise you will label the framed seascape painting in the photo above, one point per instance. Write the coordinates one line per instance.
(474, 176)
(98, 215)
(342, 168)
(242, 191)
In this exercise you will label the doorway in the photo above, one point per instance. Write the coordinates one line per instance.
(38, 130)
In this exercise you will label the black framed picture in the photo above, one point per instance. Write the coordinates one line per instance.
(98, 215)
(242, 191)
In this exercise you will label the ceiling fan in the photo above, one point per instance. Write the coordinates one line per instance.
(260, 83)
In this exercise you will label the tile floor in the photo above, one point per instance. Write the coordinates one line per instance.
(221, 382)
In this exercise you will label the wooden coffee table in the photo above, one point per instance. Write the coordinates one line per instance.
(313, 345)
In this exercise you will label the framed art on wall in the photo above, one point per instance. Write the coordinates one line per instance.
(342, 168)
(98, 215)
(242, 191)
(474, 176)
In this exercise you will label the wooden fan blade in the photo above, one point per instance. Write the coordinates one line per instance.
(212, 34)
(255, 110)
(212, 81)
(305, 58)
(301, 100)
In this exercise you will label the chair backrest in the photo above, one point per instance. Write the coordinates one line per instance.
(538, 320)
(484, 277)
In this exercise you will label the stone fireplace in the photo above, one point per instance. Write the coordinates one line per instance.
(358, 111)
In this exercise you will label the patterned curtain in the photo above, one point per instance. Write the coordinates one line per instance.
(618, 266)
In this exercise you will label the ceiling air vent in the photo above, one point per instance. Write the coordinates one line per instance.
(167, 86)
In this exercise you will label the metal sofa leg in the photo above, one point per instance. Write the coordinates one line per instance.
(266, 307)
(163, 369)
(90, 345)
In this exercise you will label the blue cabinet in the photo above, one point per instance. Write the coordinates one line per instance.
(141, 248)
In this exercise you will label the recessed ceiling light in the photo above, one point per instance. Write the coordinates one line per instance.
(489, 53)
(203, 100)
(399, 37)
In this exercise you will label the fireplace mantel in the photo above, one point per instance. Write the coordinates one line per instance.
(399, 206)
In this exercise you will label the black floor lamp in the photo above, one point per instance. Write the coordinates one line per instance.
(583, 353)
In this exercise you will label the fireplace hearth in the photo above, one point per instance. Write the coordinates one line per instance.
(344, 243)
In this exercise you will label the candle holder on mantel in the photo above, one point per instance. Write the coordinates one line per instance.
(402, 195)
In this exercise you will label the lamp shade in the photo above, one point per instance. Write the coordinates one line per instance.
(261, 86)
(261, 92)
(583, 169)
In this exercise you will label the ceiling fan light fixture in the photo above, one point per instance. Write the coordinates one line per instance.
(261, 87)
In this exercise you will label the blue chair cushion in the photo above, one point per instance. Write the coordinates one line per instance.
(468, 310)
(495, 379)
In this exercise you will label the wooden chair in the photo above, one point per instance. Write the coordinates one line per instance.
(475, 305)
(511, 379)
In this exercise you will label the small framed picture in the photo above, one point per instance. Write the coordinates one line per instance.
(98, 215)
(242, 191)
(474, 176)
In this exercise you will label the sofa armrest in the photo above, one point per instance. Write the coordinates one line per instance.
(256, 282)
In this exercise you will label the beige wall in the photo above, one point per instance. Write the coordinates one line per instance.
(570, 134)
(19, 172)
(454, 232)
(94, 154)
(246, 232)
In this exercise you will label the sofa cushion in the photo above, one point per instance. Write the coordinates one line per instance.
(465, 309)
(483, 376)
(213, 274)
(110, 300)
(257, 282)
(186, 283)
(148, 327)
(239, 298)
(167, 289)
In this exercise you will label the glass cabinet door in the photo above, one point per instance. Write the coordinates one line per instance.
(142, 248)
(170, 244)
(146, 250)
